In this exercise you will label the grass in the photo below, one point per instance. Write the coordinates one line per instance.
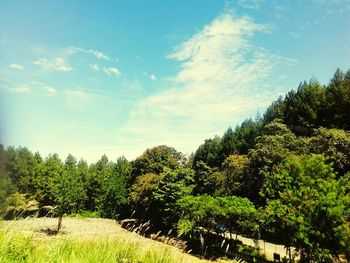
(82, 240)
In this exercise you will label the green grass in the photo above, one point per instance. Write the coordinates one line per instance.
(22, 247)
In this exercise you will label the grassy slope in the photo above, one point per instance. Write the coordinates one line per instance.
(81, 240)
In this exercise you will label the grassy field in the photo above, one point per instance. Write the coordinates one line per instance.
(82, 240)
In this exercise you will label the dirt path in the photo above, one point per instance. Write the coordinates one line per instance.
(265, 247)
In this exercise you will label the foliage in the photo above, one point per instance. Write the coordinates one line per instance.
(273, 147)
(236, 213)
(264, 164)
(115, 196)
(154, 161)
(308, 208)
(334, 144)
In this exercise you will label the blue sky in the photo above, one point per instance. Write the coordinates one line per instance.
(117, 77)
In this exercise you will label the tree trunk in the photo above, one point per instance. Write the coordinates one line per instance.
(59, 223)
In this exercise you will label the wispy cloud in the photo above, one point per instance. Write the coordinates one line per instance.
(50, 91)
(96, 53)
(16, 66)
(95, 67)
(251, 4)
(55, 64)
(220, 80)
(112, 71)
(21, 89)
(152, 77)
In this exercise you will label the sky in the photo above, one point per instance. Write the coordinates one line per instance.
(117, 77)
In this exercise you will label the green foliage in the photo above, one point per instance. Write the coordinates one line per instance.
(338, 100)
(275, 145)
(115, 195)
(69, 192)
(237, 213)
(308, 208)
(174, 185)
(233, 168)
(314, 105)
(207, 179)
(154, 161)
(208, 153)
(334, 144)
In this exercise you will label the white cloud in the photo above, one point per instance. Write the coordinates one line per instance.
(95, 67)
(50, 91)
(16, 66)
(112, 71)
(99, 54)
(21, 89)
(96, 53)
(219, 84)
(56, 64)
(152, 77)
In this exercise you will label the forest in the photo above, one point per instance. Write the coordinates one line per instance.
(282, 176)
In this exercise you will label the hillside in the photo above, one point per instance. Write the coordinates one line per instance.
(82, 240)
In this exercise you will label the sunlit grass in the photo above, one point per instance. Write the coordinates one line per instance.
(82, 240)
(22, 247)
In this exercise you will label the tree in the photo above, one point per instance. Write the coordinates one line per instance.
(275, 145)
(338, 100)
(6, 187)
(98, 175)
(234, 168)
(115, 195)
(48, 179)
(154, 161)
(308, 208)
(69, 190)
(174, 185)
(207, 179)
(209, 153)
(142, 194)
(204, 211)
(334, 144)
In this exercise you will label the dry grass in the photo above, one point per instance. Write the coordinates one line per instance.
(79, 234)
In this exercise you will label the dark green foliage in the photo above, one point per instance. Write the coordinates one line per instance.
(314, 105)
(272, 148)
(208, 153)
(174, 185)
(234, 172)
(6, 187)
(207, 179)
(338, 100)
(115, 196)
(241, 139)
(69, 192)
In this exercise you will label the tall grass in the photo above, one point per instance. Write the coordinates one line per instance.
(22, 247)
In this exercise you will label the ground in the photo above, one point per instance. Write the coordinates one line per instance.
(91, 229)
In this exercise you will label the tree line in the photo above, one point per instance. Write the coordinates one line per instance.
(284, 176)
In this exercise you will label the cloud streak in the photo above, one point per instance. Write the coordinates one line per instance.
(220, 79)
(95, 53)
(57, 64)
(16, 66)
(112, 71)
